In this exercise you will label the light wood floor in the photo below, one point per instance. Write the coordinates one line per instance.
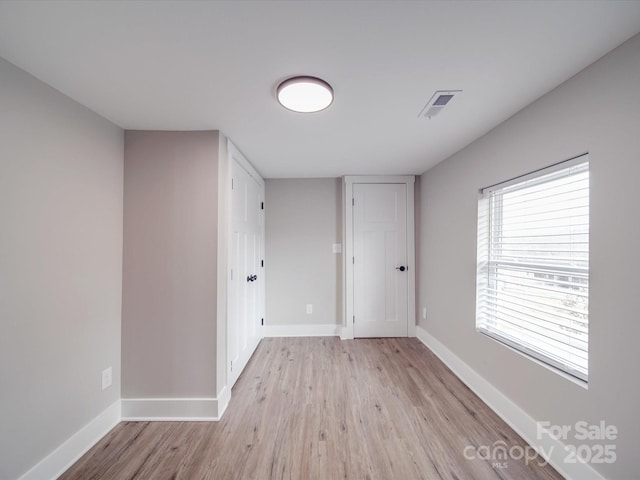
(322, 408)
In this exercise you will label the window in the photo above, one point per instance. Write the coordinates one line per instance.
(533, 265)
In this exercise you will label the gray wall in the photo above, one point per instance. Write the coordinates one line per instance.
(60, 267)
(303, 221)
(169, 310)
(596, 111)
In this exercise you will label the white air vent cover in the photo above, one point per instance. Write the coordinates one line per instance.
(437, 102)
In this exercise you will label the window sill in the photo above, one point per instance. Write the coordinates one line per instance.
(557, 371)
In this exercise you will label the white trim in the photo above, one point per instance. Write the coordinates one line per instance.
(224, 260)
(411, 252)
(552, 450)
(224, 398)
(58, 461)
(347, 325)
(235, 154)
(321, 330)
(572, 162)
(346, 285)
(531, 358)
(175, 409)
(349, 180)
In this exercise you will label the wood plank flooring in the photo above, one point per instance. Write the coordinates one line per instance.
(322, 408)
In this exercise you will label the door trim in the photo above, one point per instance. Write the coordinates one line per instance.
(235, 155)
(348, 182)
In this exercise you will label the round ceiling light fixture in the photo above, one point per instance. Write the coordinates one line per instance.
(305, 94)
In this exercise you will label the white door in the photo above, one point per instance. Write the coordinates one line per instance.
(380, 260)
(246, 278)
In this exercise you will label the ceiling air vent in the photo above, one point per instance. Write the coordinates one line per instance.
(437, 102)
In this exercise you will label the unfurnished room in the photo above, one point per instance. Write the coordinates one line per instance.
(319, 239)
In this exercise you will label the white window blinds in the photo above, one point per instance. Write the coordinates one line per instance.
(533, 265)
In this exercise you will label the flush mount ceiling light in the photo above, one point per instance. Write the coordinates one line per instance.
(305, 94)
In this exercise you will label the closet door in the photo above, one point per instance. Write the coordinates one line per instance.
(246, 284)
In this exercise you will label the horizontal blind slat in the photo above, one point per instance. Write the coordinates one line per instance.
(554, 318)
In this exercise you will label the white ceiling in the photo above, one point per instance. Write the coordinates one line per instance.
(201, 65)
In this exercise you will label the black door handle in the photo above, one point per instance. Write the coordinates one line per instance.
(401, 268)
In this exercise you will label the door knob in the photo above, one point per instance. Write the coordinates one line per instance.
(402, 268)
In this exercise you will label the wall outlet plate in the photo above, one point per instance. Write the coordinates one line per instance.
(107, 378)
(309, 308)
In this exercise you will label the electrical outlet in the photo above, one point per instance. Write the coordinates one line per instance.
(336, 248)
(309, 309)
(107, 378)
(424, 313)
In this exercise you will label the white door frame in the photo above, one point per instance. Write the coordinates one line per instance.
(348, 182)
(234, 155)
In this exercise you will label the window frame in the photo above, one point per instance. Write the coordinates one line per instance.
(490, 219)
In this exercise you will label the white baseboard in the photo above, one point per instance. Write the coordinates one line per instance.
(224, 398)
(137, 409)
(319, 330)
(58, 461)
(552, 450)
(346, 332)
(175, 409)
